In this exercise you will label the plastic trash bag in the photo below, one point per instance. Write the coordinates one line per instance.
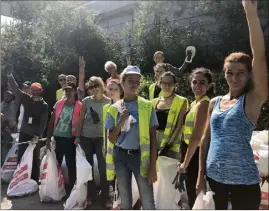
(165, 194)
(65, 171)
(264, 196)
(10, 164)
(135, 194)
(259, 145)
(21, 183)
(78, 197)
(52, 179)
(204, 201)
(96, 174)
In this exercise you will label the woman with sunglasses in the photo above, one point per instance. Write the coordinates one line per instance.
(63, 126)
(91, 135)
(226, 157)
(194, 126)
(170, 110)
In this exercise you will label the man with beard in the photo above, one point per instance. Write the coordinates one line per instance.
(34, 118)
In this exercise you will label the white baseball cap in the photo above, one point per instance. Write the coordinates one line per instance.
(132, 70)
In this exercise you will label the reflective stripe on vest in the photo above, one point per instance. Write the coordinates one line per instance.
(105, 109)
(172, 118)
(190, 119)
(144, 113)
(151, 92)
(75, 115)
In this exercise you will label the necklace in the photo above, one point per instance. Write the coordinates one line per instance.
(165, 98)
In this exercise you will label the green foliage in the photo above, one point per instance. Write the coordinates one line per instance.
(50, 37)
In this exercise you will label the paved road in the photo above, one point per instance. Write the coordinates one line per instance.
(32, 202)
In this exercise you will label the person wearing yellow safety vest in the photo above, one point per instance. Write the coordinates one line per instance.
(161, 67)
(170, 110)
(114, 92)
(132, 126)
(194, 126)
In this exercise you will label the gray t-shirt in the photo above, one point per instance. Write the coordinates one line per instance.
(93, 122)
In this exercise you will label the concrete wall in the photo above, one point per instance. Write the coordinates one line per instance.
(5, 9)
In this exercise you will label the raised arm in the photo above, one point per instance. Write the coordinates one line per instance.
(259, 67)
(81, 78)
(178, 71)
(18, 93)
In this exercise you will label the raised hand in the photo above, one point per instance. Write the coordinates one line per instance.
(128, 60)
(9, 69)
(189, 55)
(82, 63)
(250, 5)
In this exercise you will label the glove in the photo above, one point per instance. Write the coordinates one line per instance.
(163, 151)
(179, 181)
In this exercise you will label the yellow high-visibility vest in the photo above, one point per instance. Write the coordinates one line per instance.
(190, 119)
(144, 113)
(173, 114)
(105, 110)
(151, 92)
(59, 94)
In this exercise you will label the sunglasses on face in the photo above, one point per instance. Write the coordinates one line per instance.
(167, 84)
(93, 86)
(111, 89)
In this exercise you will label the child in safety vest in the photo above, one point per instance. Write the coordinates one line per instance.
(132, 124)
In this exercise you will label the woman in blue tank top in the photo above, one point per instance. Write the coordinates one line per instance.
(226, 157)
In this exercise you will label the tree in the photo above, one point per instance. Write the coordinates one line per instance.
(48, 38)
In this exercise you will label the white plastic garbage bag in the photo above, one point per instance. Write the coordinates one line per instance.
(96, 174)
(10, 164)
(42, 152)
(135, 195)
(204, 201)
(166, 196)
(264, 196)
(260, 147)
(78, 197)
(65, 171)
(21, 183)
(52, 179)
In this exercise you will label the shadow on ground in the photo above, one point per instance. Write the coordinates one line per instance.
(33, 202)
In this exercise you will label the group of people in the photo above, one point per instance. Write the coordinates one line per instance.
(128, 133)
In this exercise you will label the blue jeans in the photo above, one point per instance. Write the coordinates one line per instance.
(125, 165)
